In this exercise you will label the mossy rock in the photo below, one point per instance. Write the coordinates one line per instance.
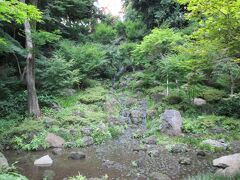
(93, 95)
(211, 94)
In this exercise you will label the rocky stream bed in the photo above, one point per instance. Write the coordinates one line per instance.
(125, 157)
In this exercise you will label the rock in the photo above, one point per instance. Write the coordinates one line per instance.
(139, 133)
(48, 175)
(87, 141)
(217, 130)
(54, 140)
(230, 165)
(184, 161)
(153, 153)
(73, 131)
(199, 101)
(158, 97)
(137, 116)
(44, 161)
(159, 176)
(150, 140)
(77, 155)
(57, 151)
(216, 143)
(112, 121)
(87, 130)
(3, 161)
(201, 153)
(134, 164)
(179, 148)
(171, 123)
(113, 165)
(235, 146)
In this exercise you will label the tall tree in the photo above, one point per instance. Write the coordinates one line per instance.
(33, 105)
(157, 12)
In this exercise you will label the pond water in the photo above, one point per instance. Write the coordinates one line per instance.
(114, 158)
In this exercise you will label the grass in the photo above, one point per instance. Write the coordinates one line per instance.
(85, 108)
(196, 130)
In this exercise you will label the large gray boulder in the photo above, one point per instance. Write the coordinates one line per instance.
(216, 143)
(44, 161)
(54, 140)
(228, 165)
(171, 123)
(3, 161)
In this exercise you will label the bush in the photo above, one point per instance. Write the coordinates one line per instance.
(135, 30)
(28, 143)
(211, 94)
(229, 106)
(155, 46)
(104, 33)
(174, 99)
(101, 136)
(58, 73)
(89, 59)
(14, 103)
(12, 176)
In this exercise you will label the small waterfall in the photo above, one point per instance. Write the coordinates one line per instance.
(143, 105)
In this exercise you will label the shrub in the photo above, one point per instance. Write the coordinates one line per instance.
(31, 143)
(211, 94)
(155, 46)
(58, 73)
(174, 99)
(12, 176)
(101, 136)
(78, 177)
(229, 106)
(13, 103)
(115, 131)
(104, 33)
(89, 59)
(135, 30)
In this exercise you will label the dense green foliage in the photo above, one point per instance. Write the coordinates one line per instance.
(165, 51)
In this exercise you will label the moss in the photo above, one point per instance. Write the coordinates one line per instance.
(154, 90)
(12, 176)
(211, 94)
(93, 95)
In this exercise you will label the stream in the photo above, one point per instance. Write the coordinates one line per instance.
(114, 158)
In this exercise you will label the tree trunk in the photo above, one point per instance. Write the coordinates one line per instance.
(33, 106)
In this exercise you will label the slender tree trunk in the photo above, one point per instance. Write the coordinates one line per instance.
(33, 106)
(167, 86)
